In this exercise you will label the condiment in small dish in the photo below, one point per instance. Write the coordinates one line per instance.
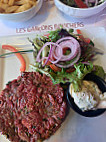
(89, 105)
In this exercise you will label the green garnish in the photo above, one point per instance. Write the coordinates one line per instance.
(23, 51)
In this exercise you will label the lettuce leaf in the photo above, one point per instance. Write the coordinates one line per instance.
(75, 77)
(99, 71)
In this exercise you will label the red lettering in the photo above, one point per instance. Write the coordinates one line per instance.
(44, 27)
(29, 29)
(50, 27)
(36, 28)
(20, 30)
(17, 30)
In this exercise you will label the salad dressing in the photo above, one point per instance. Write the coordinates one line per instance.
(89, 97)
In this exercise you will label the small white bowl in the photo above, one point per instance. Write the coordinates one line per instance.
(22, 16)
(79, 12)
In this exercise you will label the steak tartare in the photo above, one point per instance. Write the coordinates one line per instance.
(31, 108)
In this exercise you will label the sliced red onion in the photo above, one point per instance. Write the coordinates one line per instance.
(86, 2)
(56, 52)
(67, 38)
(40, 51)
(71, 64)
(72, 47)
(67, 42)
(96, 2)
(91, 1)
(43, 58)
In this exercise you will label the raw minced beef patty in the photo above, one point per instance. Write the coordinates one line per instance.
(31, 108)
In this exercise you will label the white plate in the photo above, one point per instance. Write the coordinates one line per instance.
(76, 128)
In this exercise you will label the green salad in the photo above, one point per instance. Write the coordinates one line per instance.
(82, 3)
(65, 56)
